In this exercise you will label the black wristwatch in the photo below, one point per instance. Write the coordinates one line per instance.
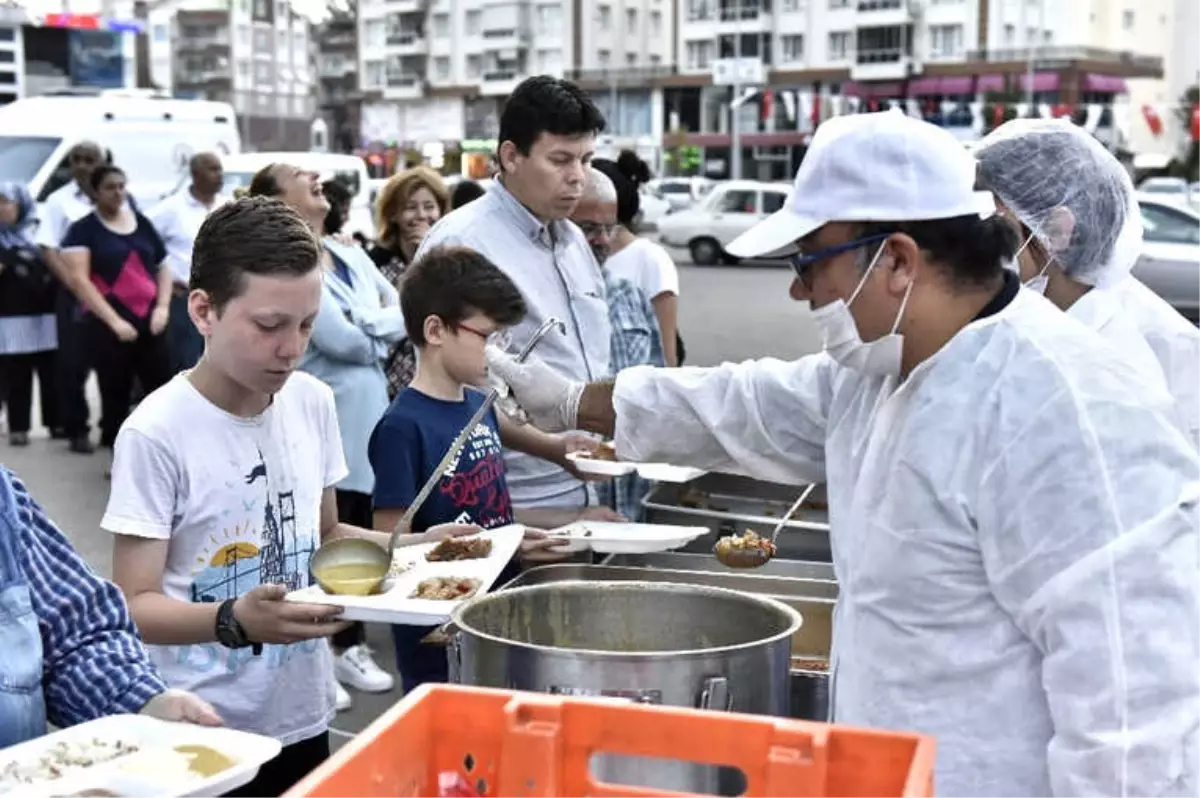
(230, 633)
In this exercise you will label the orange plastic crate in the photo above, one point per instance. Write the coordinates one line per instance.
(512, 743)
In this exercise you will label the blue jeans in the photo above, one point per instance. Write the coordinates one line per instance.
(418, 663)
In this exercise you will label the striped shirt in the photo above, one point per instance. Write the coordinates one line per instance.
(93, 659)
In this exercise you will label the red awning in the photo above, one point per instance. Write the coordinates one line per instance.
(1042, 81)
(987, 83)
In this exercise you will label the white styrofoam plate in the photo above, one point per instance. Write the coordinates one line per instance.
(602, 468)
(394, 604)
(613, 537)
(155, 769)
(664, 472)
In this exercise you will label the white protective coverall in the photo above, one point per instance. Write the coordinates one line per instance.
(1015, 533)
(1079, 201)
(1175, 342)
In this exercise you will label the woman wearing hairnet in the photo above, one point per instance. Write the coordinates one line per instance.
(1014, 516)
(1081, 235)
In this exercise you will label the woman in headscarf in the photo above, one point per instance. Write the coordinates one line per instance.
(28, 339)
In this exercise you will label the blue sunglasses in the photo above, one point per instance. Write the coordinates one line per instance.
(802, 263)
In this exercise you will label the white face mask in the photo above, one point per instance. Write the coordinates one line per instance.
(882, 357)
(1039, 281)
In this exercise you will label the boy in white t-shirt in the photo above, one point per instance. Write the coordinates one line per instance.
(222, 488)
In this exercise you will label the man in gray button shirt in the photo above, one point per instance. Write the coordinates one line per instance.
(547, 137)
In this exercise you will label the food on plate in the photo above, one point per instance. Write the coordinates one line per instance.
(446, 588)
(691, 497)
(205, 761)
(810, 664)
(350, 578)
(818, 505)
(399, 566)
(452, 549)
(63, 757)
(96, 791)
(603, 451)
(573, 531)
(747, 550)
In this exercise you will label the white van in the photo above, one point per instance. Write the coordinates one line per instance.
(151, 138)
(240, 170)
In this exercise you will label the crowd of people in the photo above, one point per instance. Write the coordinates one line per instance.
(269, 383)
(1002, 421)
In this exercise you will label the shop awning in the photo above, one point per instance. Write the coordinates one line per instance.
(1042, 81)
(1104, 83)
(854, 89)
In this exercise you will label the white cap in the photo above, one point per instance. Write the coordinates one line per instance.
(882, 167)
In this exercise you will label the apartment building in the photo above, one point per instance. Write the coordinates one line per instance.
(338, 97)
(436, 71)
(255, 54)
(944, 58)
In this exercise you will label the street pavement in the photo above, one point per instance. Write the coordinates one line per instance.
(726, 314)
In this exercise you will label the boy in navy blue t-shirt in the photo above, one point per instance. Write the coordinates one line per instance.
(454, 300)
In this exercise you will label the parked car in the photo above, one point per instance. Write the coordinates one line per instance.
(652, 209)
(1170, 261)
(680, 193)
(1174, 190)
(730, 209)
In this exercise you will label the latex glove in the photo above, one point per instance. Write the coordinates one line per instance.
(182, 706)
(550, 399)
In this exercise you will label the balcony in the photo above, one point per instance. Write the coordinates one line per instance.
(883, 12)
(407, 42)
(407, 6)
(893, 64)
(500, 82)
(407, 86)
(202, 44)
(214, 77)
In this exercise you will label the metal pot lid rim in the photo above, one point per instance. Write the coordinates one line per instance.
(687, 653)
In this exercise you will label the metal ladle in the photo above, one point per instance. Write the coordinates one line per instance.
(756, 558)
(373, 561)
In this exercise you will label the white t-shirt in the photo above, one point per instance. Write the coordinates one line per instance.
(240, 501)
(646, 265)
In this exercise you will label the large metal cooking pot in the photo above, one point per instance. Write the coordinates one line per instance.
(674, 644)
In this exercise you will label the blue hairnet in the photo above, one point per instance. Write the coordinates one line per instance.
(1040, 167)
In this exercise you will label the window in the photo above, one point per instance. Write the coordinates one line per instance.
(441, 67)
(441, 26)
(243, 72)
(376, 34)
(604, 17)
(655, 59)
(243, 35)
(1047, 37)
(162, 33)
(1031, 36)
(700, 10)
(736, 202)
(839, 45)
(836, 4)
(550, 19)
(281, 41)
(1164, 225)
(655, 24)
(475, 18)
(793, 49)
(700, 54)
(474, 66)
(631, 21)
(1127, 19)
(630, 59)
(945, 41)
(773, 201)
(793, 5)
(1010, 35)
(603, 57)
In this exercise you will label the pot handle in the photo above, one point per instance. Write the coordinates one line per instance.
(716, 694)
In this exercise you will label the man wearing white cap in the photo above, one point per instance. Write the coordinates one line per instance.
(1014, 517)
